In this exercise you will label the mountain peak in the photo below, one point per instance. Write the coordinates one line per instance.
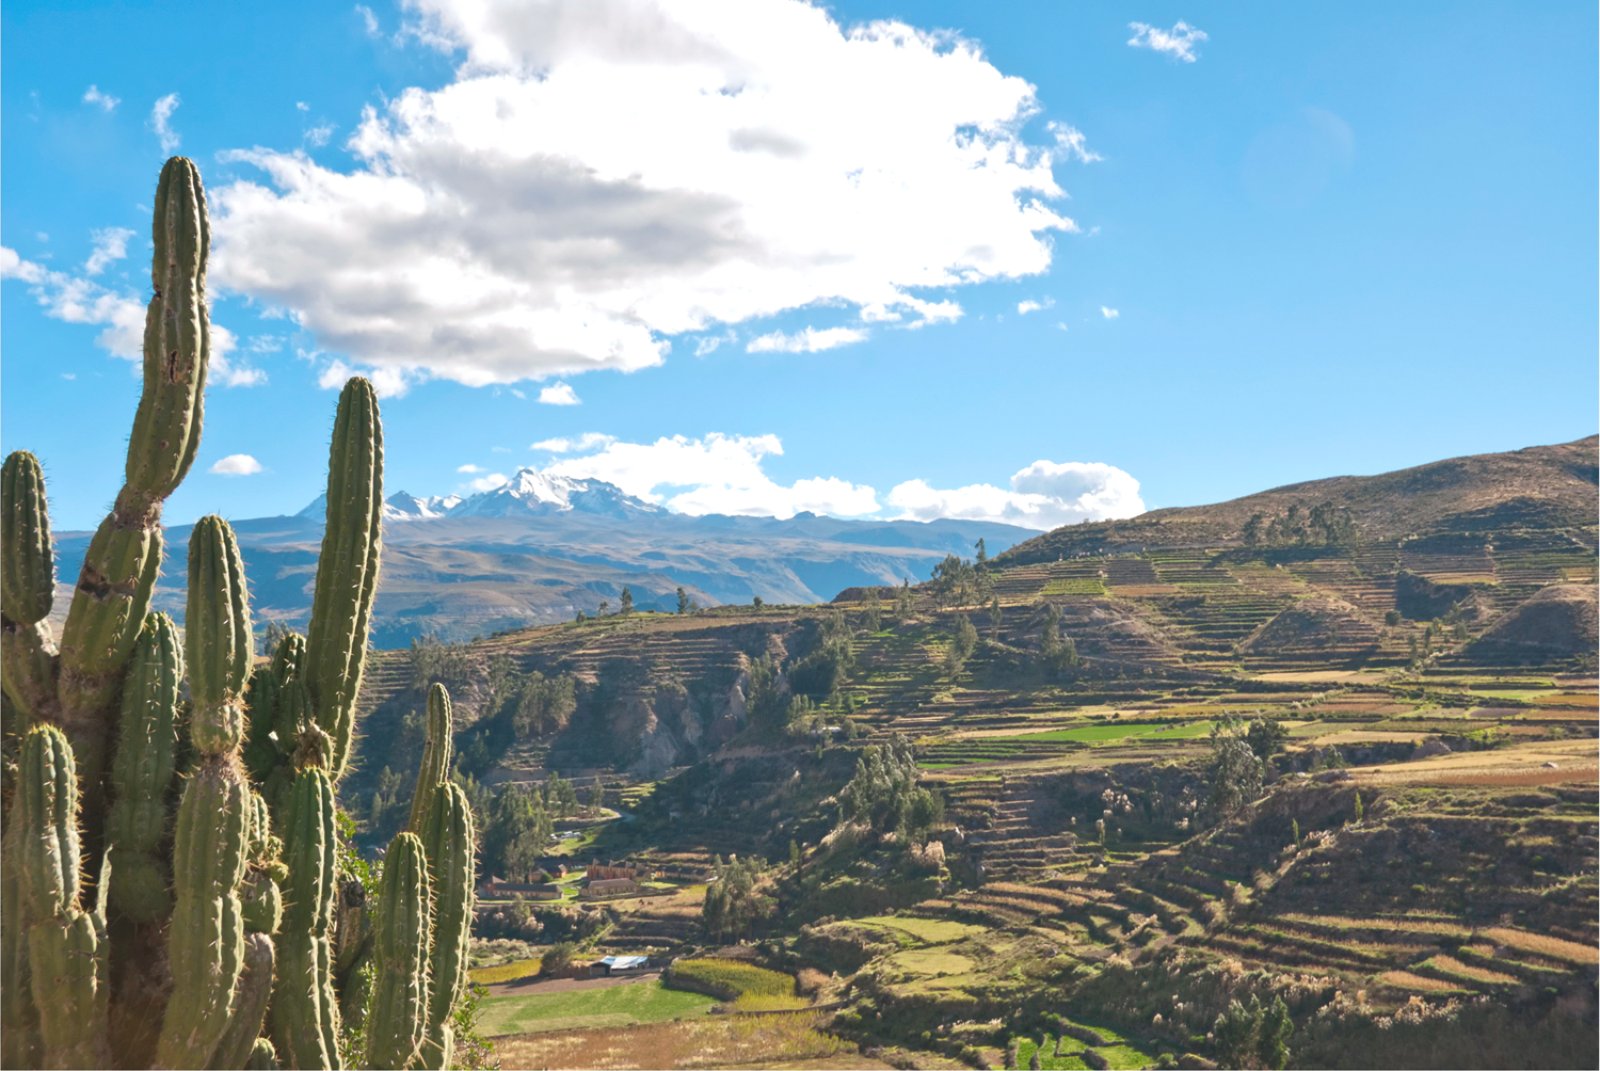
(532, 491)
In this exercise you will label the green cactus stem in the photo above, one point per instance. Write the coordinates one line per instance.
(263, 1057)
(141, 774)
(249, 1006)
(304, 1008)
(347, 572)
(177, 344)
(435, 768)
(399, 1011)
(217, 637)
(450, 845)
(28, 569)
(205, 945)
(65, 945)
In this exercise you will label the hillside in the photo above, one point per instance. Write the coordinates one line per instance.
(1541, 487)
(1416, 881)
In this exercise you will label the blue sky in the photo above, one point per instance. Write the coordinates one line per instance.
(1335, 238)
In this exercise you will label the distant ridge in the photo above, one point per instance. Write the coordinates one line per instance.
(1537, 487)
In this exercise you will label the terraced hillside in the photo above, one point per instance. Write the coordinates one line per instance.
(1415, 879)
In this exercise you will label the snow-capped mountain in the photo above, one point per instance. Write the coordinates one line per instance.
(532, 491)
(402, 506)
(528, 492)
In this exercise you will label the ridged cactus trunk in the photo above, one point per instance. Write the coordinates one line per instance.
(169, 867)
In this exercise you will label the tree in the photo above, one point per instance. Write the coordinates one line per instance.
(902, 602)
(1234, 1033)
(872, 618)
(756, 602)
(884, 792)
(1266, 737)
(1253, 530)
(560, 798)
(736, 902)
(962, 644)
(518, 830)
(604, 608)
(1057, 653)
(597, 795)
(1272, 1036)
(626, 600)
(684, 605)
(557, 958)
(543, 704)
(981, 552)
(1235, 774)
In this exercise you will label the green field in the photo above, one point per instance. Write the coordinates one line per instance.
(585, 1009)
(927, 931)
(1107, 731)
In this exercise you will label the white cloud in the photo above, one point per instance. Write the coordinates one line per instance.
(489, 482)
(236, 465)
(808, 340)
(387, 382)
(161, 122)
(603, 175)
(1045, 494)
(1177, 42)
(1028, 305)
(589, 440)
(559, 394)
(716, 474)
(1072, 143)
(110, 246)
(1109, 313)
(369, 21)
(77, 300)
(301, 106)
(469, 468)
(318, 136)
(105, 101)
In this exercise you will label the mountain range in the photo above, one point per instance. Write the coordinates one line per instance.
(541, 549)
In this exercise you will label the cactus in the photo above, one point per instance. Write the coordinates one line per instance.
(396, 1023)
(448, 840)
(347, 573)
(222, 919)
(142, 773)
(435, 768)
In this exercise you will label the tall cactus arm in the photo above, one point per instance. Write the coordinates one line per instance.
(19, 1024)
(435, 769)
(27, 588)
(450, 846)
(28, 568)
(304, 1012)
(124, 557)
(399, 1013)
(141, 774)
(177, 329)
(217, 637)
(206, 941)
(347, 573)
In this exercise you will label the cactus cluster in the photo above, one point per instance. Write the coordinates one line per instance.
(169, 870)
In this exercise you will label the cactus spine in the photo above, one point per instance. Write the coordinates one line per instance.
(216, 923)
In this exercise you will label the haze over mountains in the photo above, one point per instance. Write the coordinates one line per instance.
(541, 548)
